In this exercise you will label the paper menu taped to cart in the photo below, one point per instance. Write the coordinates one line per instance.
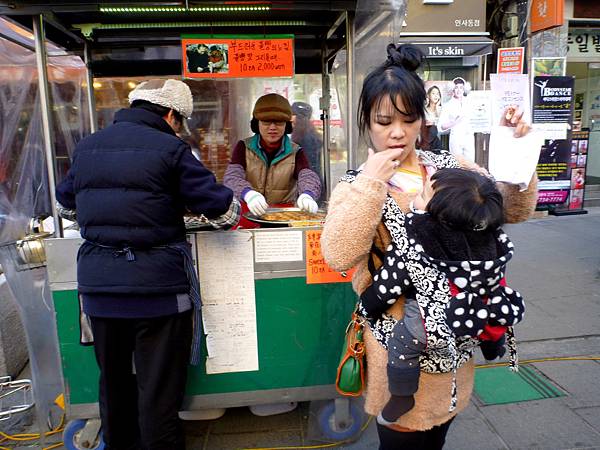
(277, 246)
(226, 273)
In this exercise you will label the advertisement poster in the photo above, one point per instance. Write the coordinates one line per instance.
(509, 90)
(209, 56)
(554, 160)
(510, 60)
(438, 94)
(552, 67)
(481, 111)
(553, 99)
(579, 145)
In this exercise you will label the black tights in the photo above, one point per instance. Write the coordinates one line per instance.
(433, 439)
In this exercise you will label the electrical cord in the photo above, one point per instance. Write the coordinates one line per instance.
(539, 360)
(32, 436)
(307, 447)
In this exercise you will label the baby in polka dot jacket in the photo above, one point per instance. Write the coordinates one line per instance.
(465, 243)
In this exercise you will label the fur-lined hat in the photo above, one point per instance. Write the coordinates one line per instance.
(173, 94)
(272, 107)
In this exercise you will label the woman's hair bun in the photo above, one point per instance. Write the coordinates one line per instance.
(406, 55)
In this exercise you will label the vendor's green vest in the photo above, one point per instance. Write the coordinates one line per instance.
(276, 182)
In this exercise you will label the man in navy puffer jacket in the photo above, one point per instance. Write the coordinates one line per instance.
(130, 185)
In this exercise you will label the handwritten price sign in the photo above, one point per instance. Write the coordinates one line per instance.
(317, 270)
(230, 57)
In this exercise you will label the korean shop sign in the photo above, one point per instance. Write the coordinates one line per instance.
(448, 17)
(583, 42)
(510, 60)
(546, 14)
(210, 56)
(450, 46)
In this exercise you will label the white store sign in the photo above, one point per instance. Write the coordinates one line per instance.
(583, 43)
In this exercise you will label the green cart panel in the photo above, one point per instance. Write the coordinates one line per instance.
(300, 336)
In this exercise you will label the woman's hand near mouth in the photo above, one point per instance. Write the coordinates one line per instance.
(382, 165)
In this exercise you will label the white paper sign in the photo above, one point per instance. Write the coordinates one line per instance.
(481, 111)
(552, 131)
(226, 273)
(509, 89)
(513, 160)
(275, 246)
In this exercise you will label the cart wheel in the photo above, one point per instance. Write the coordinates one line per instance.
(71, 436)
(331, 430)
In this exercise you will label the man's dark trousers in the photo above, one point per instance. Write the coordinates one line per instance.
(160, 350)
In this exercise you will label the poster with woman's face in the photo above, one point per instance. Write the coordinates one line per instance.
(577, 178)
(574, 145)
(438, 93)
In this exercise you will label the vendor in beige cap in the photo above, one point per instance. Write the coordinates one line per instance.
(129, 186)
(268, 168)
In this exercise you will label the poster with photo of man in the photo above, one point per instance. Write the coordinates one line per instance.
(207, 58)
(455, 118)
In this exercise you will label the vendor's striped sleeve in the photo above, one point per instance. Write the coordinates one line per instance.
(230, 218)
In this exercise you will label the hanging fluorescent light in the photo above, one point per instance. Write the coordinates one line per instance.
(179, 9)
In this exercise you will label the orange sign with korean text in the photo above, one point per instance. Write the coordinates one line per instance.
(317, 270)
(237, 57)
(510, 60)
(547, 14)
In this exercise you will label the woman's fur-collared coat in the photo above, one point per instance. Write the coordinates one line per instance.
(353, 224)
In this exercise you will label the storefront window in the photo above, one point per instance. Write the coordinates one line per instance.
(587, 112)
(222, 110)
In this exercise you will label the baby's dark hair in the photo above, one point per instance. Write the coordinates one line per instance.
(465, 200)
(397, 77)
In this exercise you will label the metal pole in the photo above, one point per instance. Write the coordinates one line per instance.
(87, 54)
(325, 104)
(40, 57)
(350, 90)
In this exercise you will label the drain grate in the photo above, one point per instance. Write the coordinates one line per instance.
(499, 385)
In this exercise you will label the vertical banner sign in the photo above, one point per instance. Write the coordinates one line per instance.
(546, 14)
(210, 56)
(553, 107)
(317, 270)
(510, 60)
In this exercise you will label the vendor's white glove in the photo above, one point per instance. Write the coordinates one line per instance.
(257, 204)
(306, 203)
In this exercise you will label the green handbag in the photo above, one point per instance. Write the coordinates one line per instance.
(350, 379)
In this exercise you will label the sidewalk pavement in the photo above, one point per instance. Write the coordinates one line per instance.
(557, 269)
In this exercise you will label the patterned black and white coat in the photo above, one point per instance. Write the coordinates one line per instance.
(451, 322)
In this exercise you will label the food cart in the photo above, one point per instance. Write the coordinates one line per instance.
(295, 308)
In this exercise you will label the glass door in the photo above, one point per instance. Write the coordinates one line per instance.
(593, 122)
